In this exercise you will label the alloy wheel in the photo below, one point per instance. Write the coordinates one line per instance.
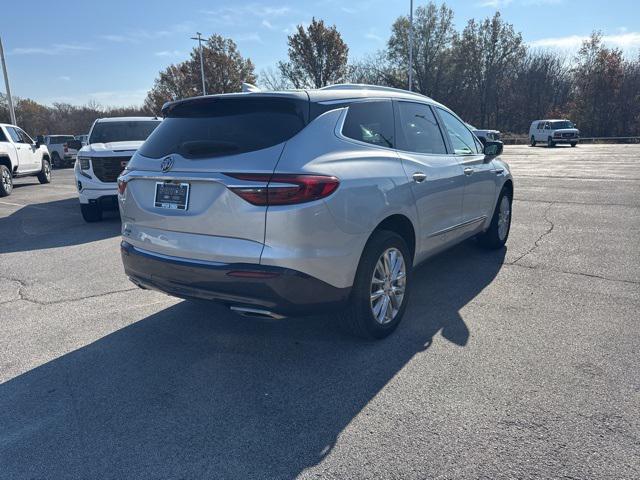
(6, 180)
(504, 217)
(388, 285)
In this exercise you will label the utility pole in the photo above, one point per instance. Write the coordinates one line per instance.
(410, 45)
(199, 39)
(6, 83)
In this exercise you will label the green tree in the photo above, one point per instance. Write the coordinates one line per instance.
(224, 67)
(317, 56)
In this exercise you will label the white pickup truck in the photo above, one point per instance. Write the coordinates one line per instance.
(20, 156)
(63, 149)
(112, 142)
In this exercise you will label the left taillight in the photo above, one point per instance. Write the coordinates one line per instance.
(122, 186)
(283, 188)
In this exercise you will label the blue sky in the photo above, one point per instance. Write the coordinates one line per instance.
(111, 51)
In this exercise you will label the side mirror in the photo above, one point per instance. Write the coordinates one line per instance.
(492, 148)
(74, 144)
(37, 144)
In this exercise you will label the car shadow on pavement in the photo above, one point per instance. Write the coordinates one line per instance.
(194, 391)
(53, 224)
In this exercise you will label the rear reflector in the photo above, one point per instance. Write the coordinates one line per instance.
(122, 186)
(252, 274)
(283, 188)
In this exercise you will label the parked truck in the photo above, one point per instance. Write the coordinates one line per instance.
(20, 156)
(63, 149)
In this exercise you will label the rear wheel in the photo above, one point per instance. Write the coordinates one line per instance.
(573, 144)
(381, 287)
(91, 213)
(45, 174)
(57, 161)
(533, 141)
(6, 181)
(550, 143)
(498, 231)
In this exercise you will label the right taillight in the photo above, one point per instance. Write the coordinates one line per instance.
(283, 188)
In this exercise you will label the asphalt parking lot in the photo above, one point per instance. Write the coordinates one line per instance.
(521, 363)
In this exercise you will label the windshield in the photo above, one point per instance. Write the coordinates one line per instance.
(58, 139)
(561, 124)
(226, 126)
(125, 131)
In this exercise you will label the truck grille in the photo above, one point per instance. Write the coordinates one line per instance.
(107, 169)
(568, 135)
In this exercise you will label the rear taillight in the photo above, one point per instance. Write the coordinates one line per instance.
(122, 186)
(283, 188)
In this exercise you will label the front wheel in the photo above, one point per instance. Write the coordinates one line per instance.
(573, 144)
(498, 231)
(381, 287)
(91, 213)
(45, 174)
(550, 143)
(533, 141)
(57, 161)
(6, 181)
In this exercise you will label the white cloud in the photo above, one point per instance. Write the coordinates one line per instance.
(373, 36)
(114, 98)
(495, 3)
(64, 78)
(627, 40)
(267, 24)
(55, 49)
(237, 15)
(141, 35)
(248, 37)
(168, 53)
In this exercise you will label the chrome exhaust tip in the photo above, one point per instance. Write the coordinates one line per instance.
(256, 312)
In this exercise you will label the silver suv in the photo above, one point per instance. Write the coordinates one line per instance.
(290, 203)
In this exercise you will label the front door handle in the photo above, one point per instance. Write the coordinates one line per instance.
(468, 171)
(419, 177)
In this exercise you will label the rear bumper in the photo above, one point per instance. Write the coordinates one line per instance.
(278, 290)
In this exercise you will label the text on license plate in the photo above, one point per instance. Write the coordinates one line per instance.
(174, 196)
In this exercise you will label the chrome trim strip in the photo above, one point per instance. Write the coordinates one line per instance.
(460, 225)
(178, 259)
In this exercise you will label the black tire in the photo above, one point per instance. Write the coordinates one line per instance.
(91, 213)
(45, 174)
(550, 143)
(492, 238)
(358, 318)
(6, 181)
(533, 141)
(57, 161)
(573, 144)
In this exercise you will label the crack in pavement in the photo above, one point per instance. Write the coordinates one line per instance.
(21, 295)
(570, 272)
(536, 244)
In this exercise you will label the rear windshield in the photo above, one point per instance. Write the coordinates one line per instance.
(57, 140)
(218, 126)
(125, 131)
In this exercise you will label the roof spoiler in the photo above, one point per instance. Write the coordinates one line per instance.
(249, 87)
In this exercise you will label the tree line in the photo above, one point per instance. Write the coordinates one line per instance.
(486, 73)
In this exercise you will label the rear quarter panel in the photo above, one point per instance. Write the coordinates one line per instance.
(326, 238)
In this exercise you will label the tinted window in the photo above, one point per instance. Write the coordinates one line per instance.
(3, 137)
(13, 133)
(418, 129)
(540, 125)
(226, 126)
(59, 139)
(25, 138)
(370, 122)
(122, 131)
(462, 139)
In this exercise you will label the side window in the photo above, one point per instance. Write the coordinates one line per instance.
(25, 138)
(418, 129)
(370, 122)
(540, 125)
(546, 125)
(15, 136)
(3, 137)
(462, 139)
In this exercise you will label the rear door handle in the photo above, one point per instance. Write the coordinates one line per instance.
(468, 171)
(419, 177)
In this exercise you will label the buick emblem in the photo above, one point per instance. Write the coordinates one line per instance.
(167, 164)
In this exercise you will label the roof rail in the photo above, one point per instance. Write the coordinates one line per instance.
(364, 86)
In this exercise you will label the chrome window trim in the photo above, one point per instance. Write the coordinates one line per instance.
(460, 225)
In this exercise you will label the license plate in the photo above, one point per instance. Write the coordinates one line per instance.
(174, 196)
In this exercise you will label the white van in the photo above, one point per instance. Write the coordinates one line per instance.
(553, 132)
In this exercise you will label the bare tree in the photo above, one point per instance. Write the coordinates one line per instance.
(317, 56)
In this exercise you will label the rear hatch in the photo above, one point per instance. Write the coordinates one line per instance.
(178, 199)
